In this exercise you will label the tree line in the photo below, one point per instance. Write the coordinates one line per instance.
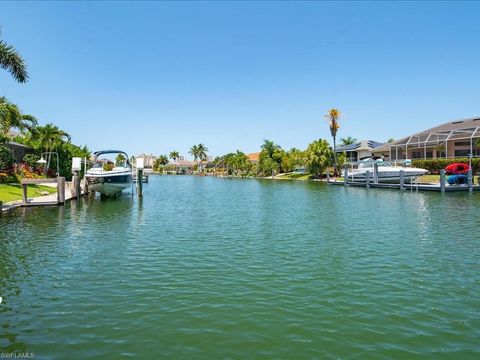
(17, 126)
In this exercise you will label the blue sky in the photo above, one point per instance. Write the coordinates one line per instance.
(155, 77)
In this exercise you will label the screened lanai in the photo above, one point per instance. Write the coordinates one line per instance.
(454, 139)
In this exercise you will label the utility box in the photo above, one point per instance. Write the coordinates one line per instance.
(76, 164)
(139, 163)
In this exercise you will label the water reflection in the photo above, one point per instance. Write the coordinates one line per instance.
(242, 262)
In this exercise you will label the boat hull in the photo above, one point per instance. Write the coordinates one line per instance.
(387, 176)
(109, 185)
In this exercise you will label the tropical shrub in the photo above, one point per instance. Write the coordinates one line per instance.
(25, 171)
(435, 165)
(31, 160)
(318, 156)
(6, 159)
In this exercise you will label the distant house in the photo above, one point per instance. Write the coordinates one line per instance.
(253, 157)
(18, 151)
(360, 150)
(148, 160)
(457, 138)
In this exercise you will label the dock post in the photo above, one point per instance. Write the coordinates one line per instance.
(60, 190)
(140, 182)
(328, 176)
(367, 177)
(375, 173)
(345, 177)
(24, 193)
(402, 180)
(442, 181)
(76, 186)
(470, 180)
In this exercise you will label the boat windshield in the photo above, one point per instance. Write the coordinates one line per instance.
(369, 163)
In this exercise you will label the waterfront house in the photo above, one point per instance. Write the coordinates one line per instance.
(253, 157)
(359, 150)
(148, 160)
(450, 140)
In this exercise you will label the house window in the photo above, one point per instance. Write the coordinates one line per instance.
(462, 153)
(462, 143)
(417, 154)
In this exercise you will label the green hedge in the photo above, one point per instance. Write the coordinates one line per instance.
(435, 165)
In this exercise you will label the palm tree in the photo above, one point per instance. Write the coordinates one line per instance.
(12, 117)
(47, 138)
(333, 116)
(202, 152)
(174, 155)
(13, 62)
(162, 160)
(199, 153)
(348, 140)
(269, 147)
(318, 157)
(194, 152)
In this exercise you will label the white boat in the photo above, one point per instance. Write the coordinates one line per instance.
(386, 172)
(110, 177)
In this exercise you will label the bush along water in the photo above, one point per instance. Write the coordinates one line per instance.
(435, 165)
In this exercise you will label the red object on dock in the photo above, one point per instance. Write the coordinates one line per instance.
(457, 168)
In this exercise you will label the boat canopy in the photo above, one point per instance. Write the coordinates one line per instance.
(98, 153)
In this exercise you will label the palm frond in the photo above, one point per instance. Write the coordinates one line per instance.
(13, 62)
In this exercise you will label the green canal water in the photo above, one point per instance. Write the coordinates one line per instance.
(207, 268)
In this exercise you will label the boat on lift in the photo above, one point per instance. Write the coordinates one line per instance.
(386, 172)
(110, 177)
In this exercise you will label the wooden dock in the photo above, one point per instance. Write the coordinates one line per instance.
(409, 187)
(65, 192)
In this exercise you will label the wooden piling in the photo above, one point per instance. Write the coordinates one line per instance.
(367, 175)
(470, 180)
(25, 197)
(442, 181)
(61, 190)
(345, 177)
(76, 186)
(402, 180)
(140, 182)
(375, 173)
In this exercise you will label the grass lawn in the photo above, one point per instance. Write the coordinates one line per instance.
(294, 176)
(10, 192)
(429, 179)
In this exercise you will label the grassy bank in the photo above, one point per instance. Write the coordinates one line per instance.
(293, 176)
(11, 192)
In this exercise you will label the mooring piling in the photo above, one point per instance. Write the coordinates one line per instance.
(402, 180)
(442, 181)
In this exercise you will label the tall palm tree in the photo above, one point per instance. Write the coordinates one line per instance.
(202, 152)
(13, 62)
(199, 153)
(174, 155)
(269, 147)
(348, 140)
(194, 152)
(333, 116)
(11, 117)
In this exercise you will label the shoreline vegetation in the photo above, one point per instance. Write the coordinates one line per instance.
(21, 130)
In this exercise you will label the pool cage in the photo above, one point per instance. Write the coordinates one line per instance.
(422, 145)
